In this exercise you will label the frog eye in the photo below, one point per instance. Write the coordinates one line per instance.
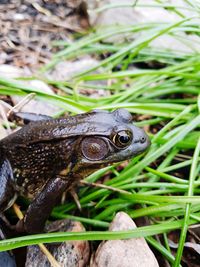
(94, 148)
(122, 138)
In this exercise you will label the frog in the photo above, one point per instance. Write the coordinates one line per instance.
(49, 156)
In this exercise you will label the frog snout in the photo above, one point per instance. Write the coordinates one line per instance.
(142, 139)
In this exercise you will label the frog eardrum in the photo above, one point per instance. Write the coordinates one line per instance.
(94, 148)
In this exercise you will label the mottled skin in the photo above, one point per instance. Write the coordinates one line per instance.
(49, 156)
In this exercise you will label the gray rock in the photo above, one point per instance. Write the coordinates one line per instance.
(146, 11)
(65, 70)
(6, 260)
(34, 106)
(133, 252)
(10, 72)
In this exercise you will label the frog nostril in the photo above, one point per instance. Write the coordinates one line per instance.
(142, 139)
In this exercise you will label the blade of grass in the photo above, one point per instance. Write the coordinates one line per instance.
(96, 235)
(188, 206)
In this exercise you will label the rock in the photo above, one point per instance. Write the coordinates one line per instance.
(6, 260)
(3, 132)
(4, 108)
(37, 106)
(130, 15)
(133, 252)
(10, 72)
(68, 254)
(34, 106)
(65, 70)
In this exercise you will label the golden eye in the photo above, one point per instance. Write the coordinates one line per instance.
(122, 138)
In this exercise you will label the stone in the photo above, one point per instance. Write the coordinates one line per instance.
(133, 252)
(68, 254)
(124, 13)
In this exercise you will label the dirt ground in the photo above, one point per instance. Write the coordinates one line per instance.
(28, 28)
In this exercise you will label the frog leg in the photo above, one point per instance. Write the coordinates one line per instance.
(40, 209)
(7, 189)
(25, 118)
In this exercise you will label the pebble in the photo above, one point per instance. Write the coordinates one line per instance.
(133, 252)
(68, 254)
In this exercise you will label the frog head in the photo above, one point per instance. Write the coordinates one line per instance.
(108, 137)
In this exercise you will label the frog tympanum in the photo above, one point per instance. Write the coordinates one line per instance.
(49, 156)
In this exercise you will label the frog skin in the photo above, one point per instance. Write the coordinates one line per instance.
(49, 156)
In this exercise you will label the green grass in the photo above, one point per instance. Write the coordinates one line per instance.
(156, 185)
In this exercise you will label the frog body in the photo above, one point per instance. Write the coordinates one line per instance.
(49, 156)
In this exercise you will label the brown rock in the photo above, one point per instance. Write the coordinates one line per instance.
(68, 254)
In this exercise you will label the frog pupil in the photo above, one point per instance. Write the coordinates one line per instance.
(124, 139)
